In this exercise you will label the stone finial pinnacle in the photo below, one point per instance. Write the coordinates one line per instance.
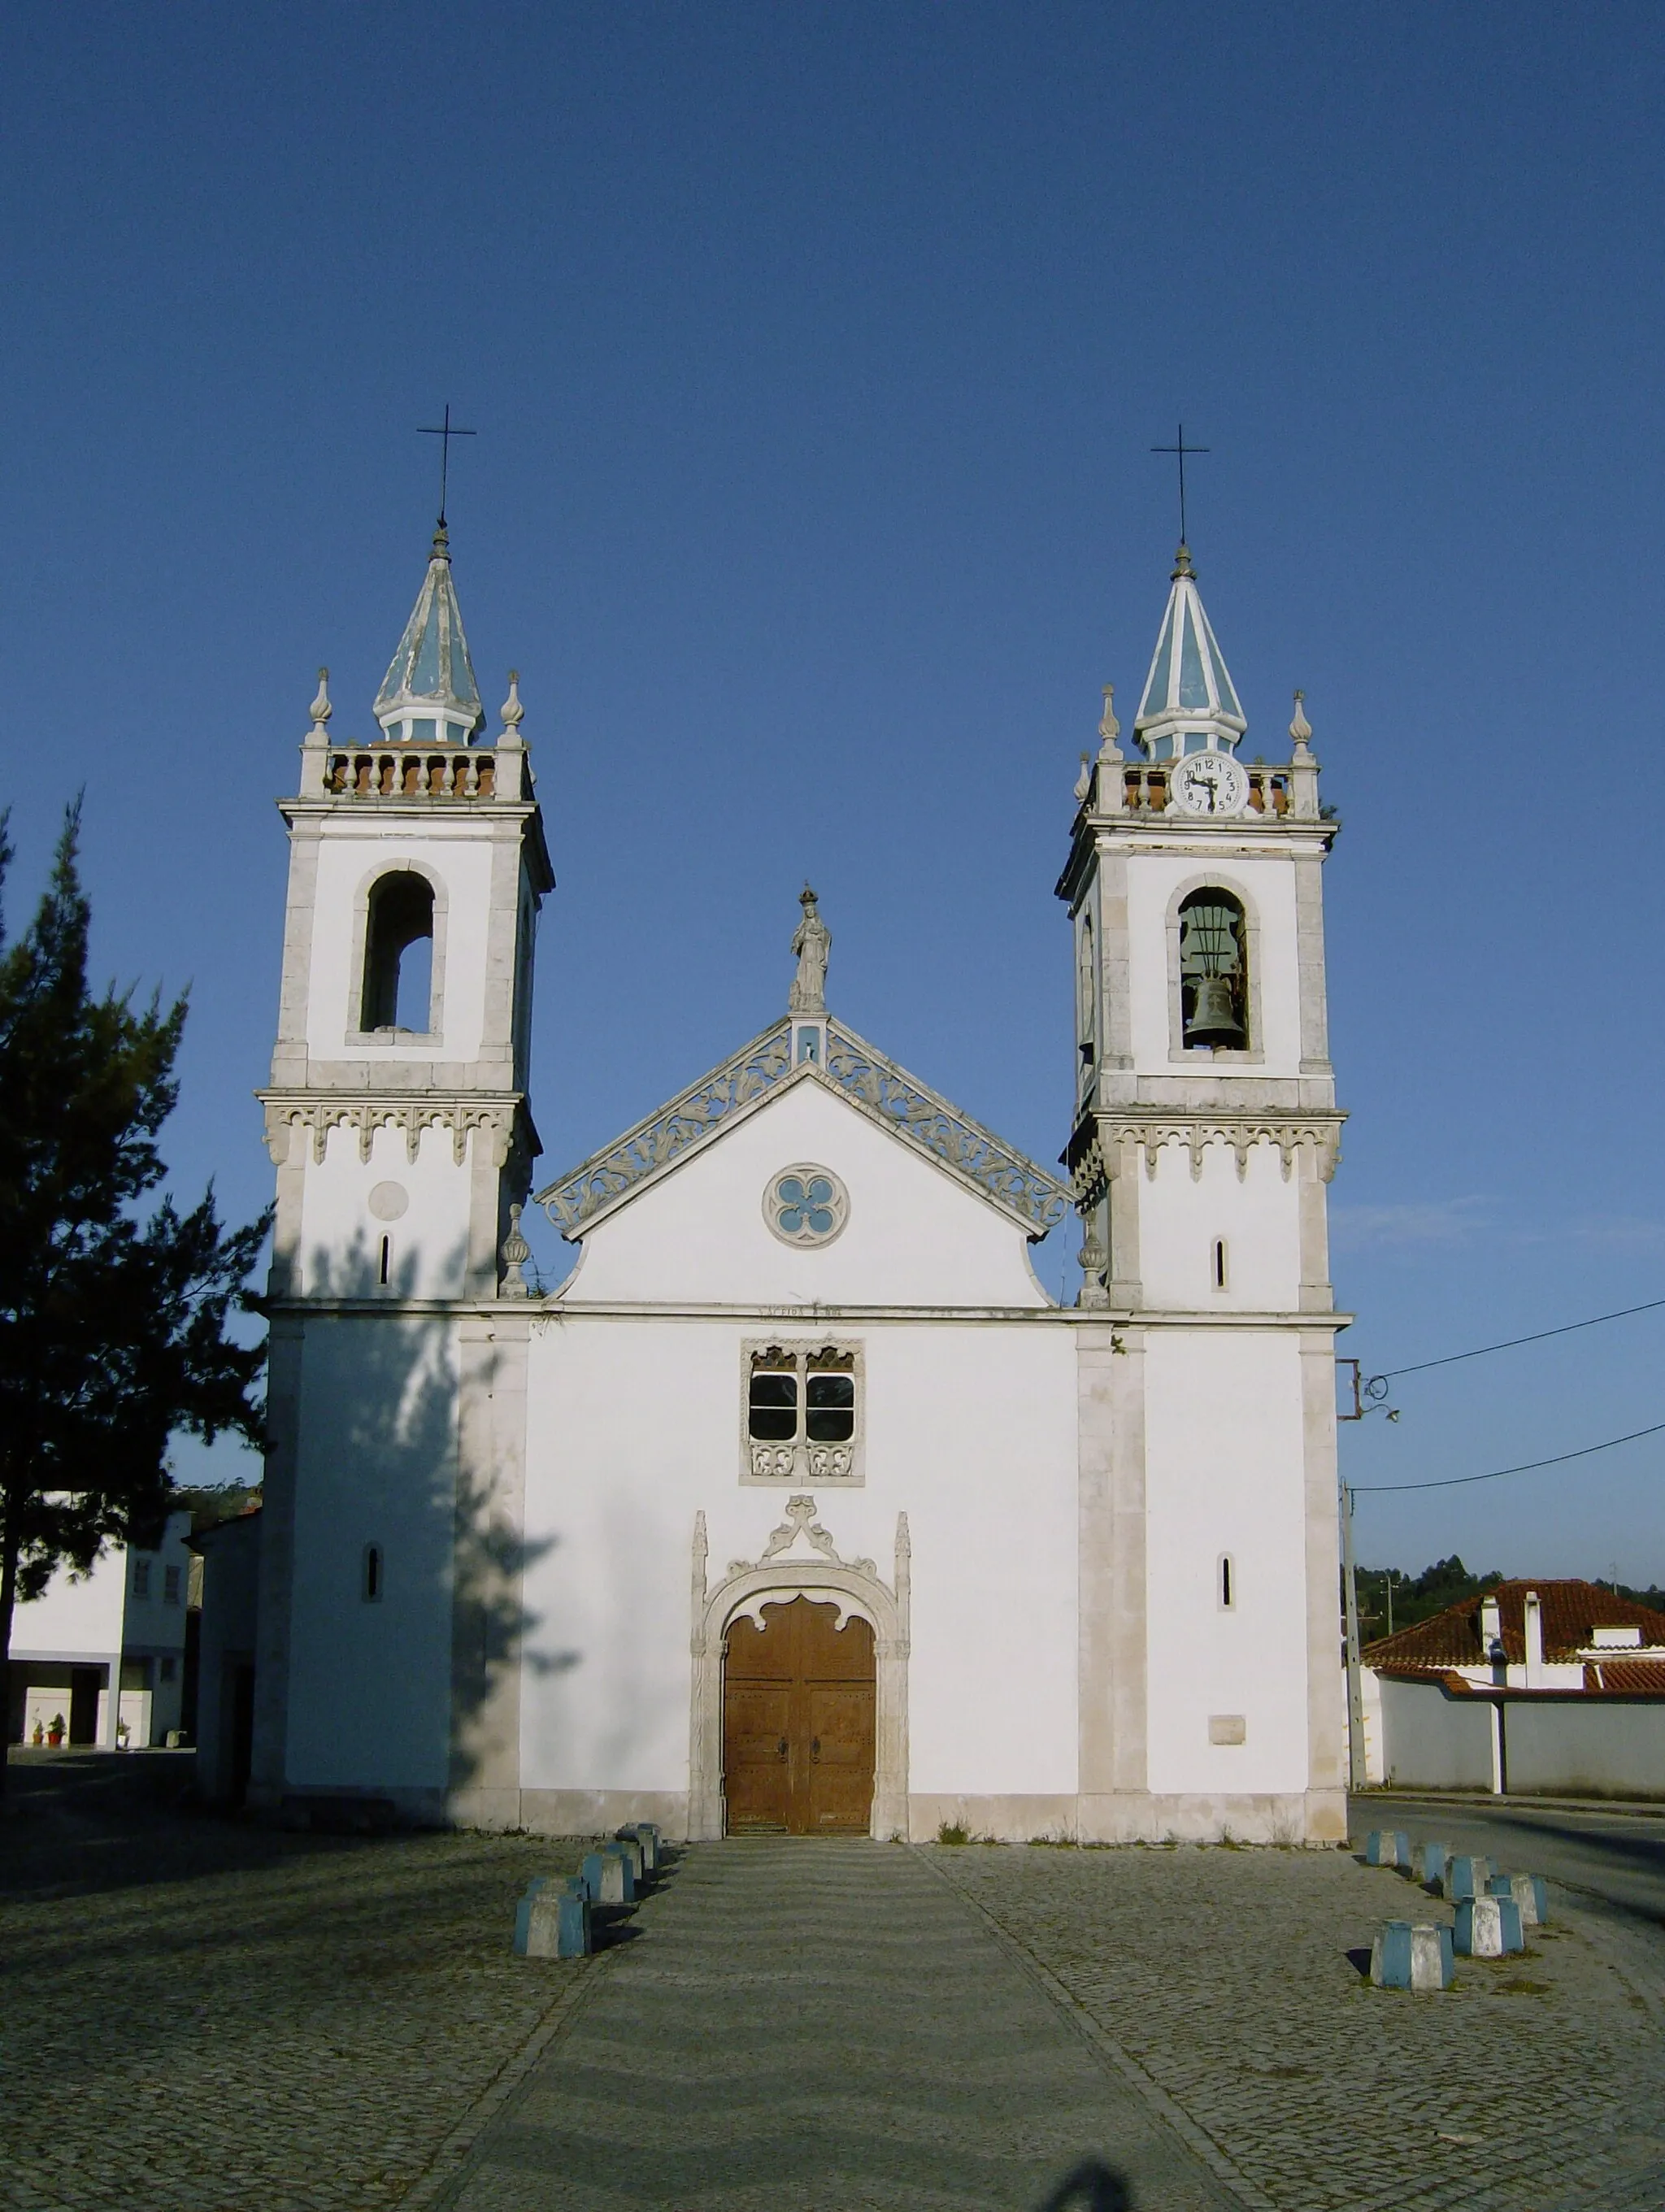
(514, 1254)
(512, 712)
(1109, 728)
(1300, 729)
(442, 541)
(1182, 562)
(1084, 781)
(321, 709)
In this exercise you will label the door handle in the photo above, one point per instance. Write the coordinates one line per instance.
(783, 1747)
(815, 1747)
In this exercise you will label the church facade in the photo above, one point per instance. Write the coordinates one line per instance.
(800, 1506)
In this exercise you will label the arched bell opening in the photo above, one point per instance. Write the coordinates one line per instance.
(398, 954)
(1213, 971)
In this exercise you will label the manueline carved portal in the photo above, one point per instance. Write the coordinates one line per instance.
(798, 1723)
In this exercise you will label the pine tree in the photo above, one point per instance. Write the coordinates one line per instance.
(112, 1327)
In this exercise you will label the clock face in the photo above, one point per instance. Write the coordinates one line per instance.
(1210, 783)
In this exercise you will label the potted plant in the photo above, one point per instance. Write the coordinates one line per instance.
(122, 1735)
(40, 1736)
(55, 1730)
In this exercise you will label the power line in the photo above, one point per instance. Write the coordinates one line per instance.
(1508, 1345)
(1455, 1481)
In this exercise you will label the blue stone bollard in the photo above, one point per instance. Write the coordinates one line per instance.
(553, 1923)
(1412, 1957)
(1528, 1892)
(627, 1841)
(1488, 1927)
(1430, 1862)
(523, 1914)
(625, 1858)
(1466, 1875)
(573, 1923)
(607, 1877)
(1388, 1847)
(648, 1835)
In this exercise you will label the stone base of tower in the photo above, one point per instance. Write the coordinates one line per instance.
(1316, 1817)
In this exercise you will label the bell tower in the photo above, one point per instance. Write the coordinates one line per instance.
(398, 1119)
(397, 1113)
(1205, 1134)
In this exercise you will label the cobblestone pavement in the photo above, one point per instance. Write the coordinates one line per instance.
(198, 2016)
(201, 2017)
(822, 2025)
(1225, 1977)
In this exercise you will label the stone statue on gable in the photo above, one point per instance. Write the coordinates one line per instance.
(812, 942)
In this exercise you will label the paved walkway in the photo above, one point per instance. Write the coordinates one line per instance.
(819, 2028)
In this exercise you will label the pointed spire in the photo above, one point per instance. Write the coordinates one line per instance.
(429, 693)
(1188, 693)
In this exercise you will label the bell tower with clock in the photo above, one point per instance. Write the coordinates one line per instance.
(1205, 1135)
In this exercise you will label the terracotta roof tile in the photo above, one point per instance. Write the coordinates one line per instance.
(1570, 1611)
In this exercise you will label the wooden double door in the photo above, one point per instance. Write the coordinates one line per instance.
(799, 1723)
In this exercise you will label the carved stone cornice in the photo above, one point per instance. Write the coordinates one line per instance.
(871, 1083)
(1321, 1133)
(503, 1121)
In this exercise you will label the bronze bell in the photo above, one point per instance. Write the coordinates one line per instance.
(1214, 1017)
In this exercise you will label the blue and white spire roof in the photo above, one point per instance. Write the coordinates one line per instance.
(428, 693)
(1189, 703)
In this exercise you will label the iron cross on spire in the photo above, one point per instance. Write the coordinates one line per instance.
(444, 432)
(1182, 449)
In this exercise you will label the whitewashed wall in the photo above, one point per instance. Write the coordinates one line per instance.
(458, 855)
(370, 1683)
(1224, 1474)
(915, 1235)
(340, 1241)
(636, 1424)
(1267, 886)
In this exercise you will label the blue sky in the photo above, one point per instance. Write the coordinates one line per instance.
(816, 351)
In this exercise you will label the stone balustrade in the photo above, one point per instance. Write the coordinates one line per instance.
(389, 769)
(1145, 788)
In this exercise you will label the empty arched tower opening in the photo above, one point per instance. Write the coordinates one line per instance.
(398, 954)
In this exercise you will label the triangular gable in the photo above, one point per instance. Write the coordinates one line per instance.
(761, 1071)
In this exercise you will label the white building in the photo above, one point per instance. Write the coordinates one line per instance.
(800, 1505)
(124, 1623)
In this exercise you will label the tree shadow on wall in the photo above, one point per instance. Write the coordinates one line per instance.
(403, 1454)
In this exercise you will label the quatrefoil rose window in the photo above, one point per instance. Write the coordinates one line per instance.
(806, 1204)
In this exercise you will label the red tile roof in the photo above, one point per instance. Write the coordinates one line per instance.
(1621, 1676)
(1570, 1611)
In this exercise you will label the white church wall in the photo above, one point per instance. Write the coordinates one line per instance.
(1224, 1480)
(1267, 889)
(370, 1675)
(635, 1426)
(458, 855)
(1182, 1217)
(423, 1214)
(915, 1236)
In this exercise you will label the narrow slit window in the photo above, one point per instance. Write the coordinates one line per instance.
(371, 1585)
(1228, 1584)
(398, 955)
(386, 1256)
(1216, 1263)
